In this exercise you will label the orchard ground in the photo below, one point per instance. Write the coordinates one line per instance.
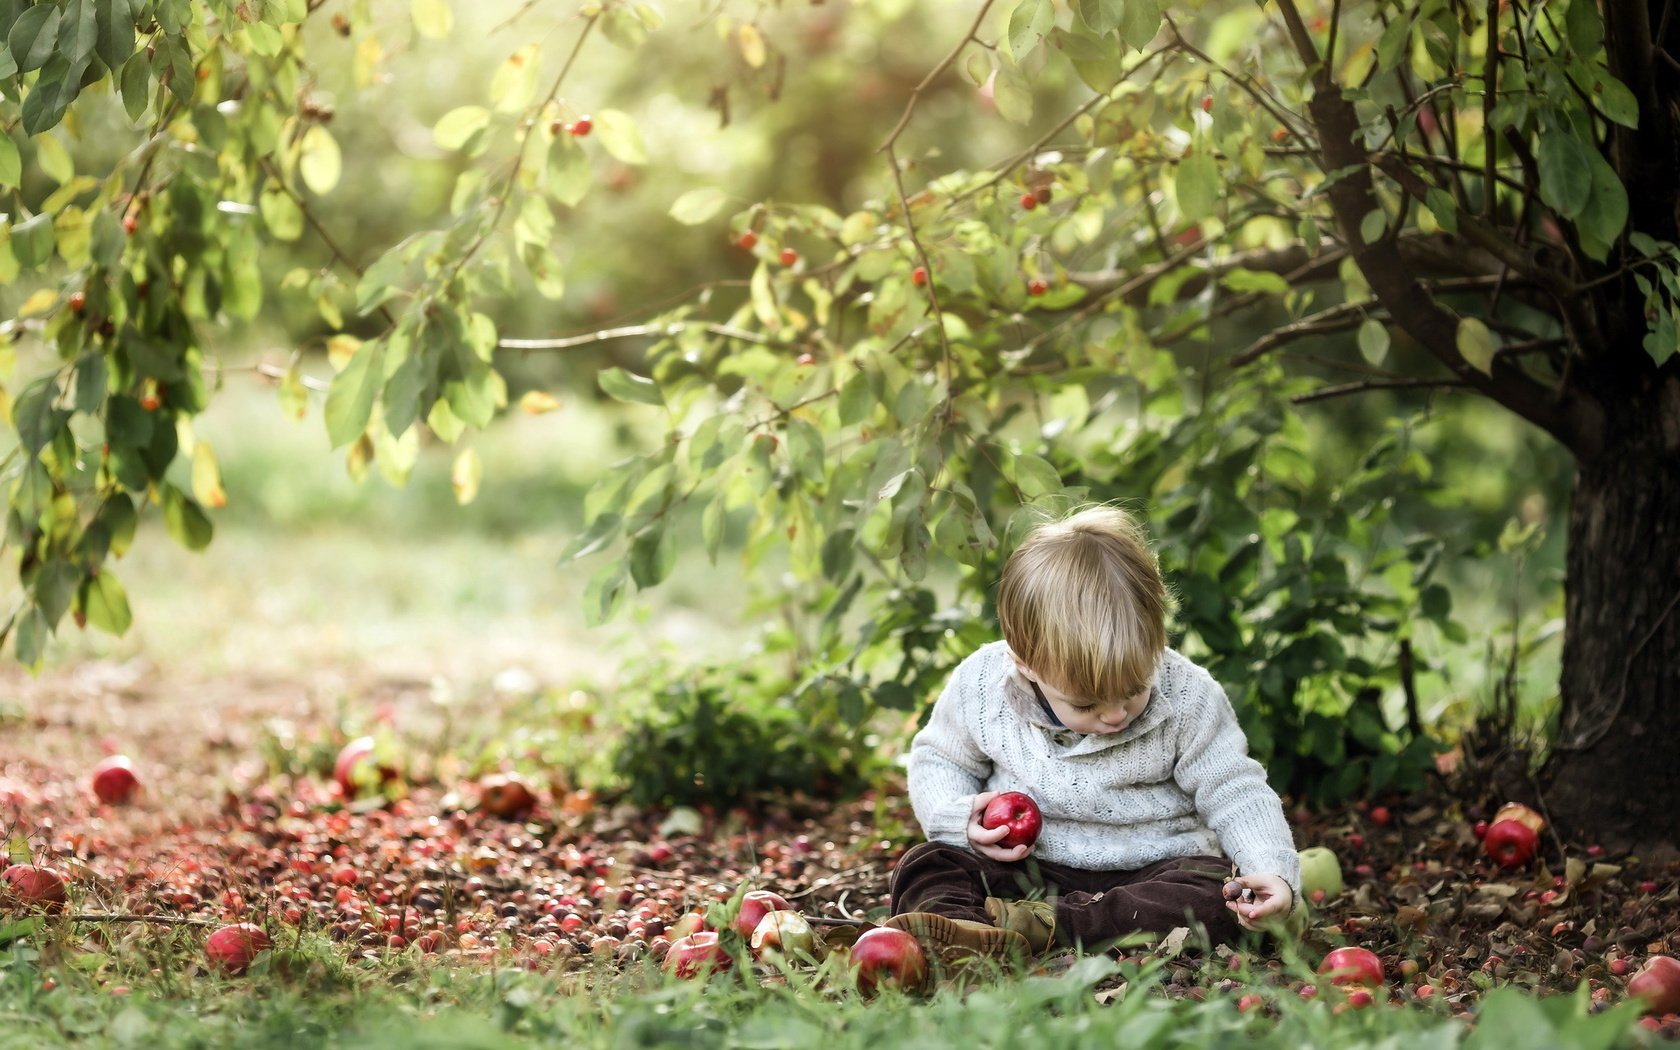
(413, 904)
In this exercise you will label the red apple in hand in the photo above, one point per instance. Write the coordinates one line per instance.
(755, 906)
(32, 888)
(1510, 843)
(1658, 983)
(1016, 811)
(233, 948)
(114, 780)
(696, 955)
(886, 955)
(1352, 966)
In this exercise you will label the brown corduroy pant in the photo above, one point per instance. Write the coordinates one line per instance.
(1093, 908)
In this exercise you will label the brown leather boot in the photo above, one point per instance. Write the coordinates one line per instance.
(1034, 921)
(963, 936)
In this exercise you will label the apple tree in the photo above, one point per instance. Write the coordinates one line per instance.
(1212, 210)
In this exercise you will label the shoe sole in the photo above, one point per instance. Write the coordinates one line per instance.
(939, 931)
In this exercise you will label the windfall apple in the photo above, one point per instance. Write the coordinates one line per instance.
(505, 795)
(754, 906)
(1510, 843)
(358, 771)
(1321, 870)
(1019, 813)
(232, 949)
(787, 932)
(114, 780)
(696, 955)
(1658, 983)
(1352, 966)
(30, 887)
(888, 956)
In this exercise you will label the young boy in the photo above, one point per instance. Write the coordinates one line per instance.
(1131, 751)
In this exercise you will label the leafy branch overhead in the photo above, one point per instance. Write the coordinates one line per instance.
(1428, 196)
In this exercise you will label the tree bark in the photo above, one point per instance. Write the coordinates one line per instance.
(1614, 772)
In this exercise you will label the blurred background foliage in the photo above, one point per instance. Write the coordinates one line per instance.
(1359, 573)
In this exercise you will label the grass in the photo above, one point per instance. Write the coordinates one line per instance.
(1097, 1002)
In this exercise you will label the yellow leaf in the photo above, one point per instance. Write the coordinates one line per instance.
(536, 402)
(1477, 344)
(433, 18)
(340, 349)
(468, 472)
(41, 301)
(207, 477)
(320, 162)
(751, 43)
(370, 55)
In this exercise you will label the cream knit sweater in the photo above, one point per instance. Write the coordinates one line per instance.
(1178, 781)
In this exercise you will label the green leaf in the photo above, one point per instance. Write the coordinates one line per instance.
(106, 604)
(1035, 476)
(432, 18)
(1566, 171)
(1241, 280)
(1028, 23)
(185, 519)
(569, 173)
(280, 213)
(604, 595)
(1584, 28)
(55, 88)
(1373, 340)
(1140, 20)
(697, 206)
(78, 33)
(32, 241)
(54, 588)
(1476, 344)
(629, 387)
(116, 32)
(652, 556)
(136, 86)
(34, 36)
(455, 128)
(1391, 47)
(1012, 95)
(1606, 213)
(1371, 227)
(351, 396)
(619, 135)
(1617, 101)
(320, 162)
(1197, 185)
(1103, 16)
(37, 419)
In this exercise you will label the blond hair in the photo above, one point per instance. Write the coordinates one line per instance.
(1082, 604)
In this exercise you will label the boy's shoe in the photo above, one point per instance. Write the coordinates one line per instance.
(949, 936)
(1034, 921)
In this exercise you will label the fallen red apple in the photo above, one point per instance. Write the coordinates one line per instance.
(754, 906)
(885, 955)
(1658, 983)
(1016, 811)
(114, 780)
(505, 795)
(1346, 966)
(232, 949)
(787, 932)
(1510, 843)
(696, 955)
(692, 922)
(358, 772)
(30, 887)
(1522, 815)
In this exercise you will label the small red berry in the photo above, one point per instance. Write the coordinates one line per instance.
(78, 302)
(1207, 103)
(1043, 195)
(789, 256)
(918, 276)
(130, 224)
(1479, 829)
(580, 127)
(1029, 201)
(1380, 815)
(1647, 886)
(1356, 840)
(1036, 286)
(805, 359)
(747, 241)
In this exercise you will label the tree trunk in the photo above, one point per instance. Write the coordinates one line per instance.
(1614, 772)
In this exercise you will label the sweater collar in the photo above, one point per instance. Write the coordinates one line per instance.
(1024, 700)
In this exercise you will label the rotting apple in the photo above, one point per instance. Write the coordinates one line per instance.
(505, 795)
(1658, 983)
(351, 769)
(1510, 843)
(1359, 966)
(31, 887)
(788, 932)
(885, 955)
(114, 780)
(233, 948)
(696, 955)
(754, 906)
(1520, 813)
(1019, 813)
(1321, 869)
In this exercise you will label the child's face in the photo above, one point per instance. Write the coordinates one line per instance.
(1085, 716)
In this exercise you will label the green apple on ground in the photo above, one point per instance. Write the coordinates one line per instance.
(1321, 874)
(788, 932)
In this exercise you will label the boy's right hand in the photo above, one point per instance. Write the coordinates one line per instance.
(982, 839)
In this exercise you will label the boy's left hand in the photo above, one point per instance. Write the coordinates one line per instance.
(1272, 898)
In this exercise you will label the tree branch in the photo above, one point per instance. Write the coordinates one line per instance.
(1325, 393)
